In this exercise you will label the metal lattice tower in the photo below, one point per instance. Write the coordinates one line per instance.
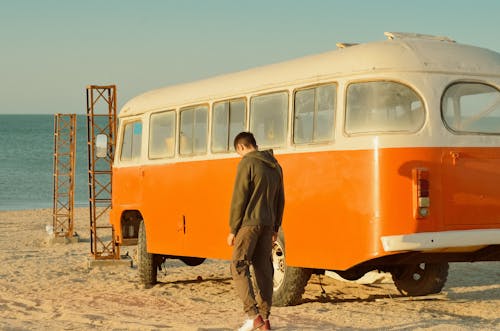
(64, 174)
(101, 123)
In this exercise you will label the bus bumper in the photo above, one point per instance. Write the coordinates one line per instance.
(445, 241)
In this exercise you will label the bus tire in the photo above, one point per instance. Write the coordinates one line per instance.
(420, 279)
(289, 282)
(146, 262)
(192, 261)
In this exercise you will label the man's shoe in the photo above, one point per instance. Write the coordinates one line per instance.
(252, 324)
(266, 326)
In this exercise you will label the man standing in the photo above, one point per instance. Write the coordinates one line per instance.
(255, 217)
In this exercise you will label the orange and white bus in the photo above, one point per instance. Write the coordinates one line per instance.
(390, 152)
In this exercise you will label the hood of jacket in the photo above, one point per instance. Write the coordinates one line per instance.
(266, 156)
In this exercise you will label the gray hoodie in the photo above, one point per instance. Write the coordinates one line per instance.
(258, 195)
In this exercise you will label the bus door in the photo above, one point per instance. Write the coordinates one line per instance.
(471, 175)
(471, 186)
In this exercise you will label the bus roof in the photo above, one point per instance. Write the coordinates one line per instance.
(401, 52)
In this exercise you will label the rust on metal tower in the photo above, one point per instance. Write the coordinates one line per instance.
(101, 127)
(64, 175)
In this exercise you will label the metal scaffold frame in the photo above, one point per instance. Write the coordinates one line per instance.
(64, 175)
(101, 123)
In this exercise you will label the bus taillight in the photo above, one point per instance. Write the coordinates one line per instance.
(421, 201)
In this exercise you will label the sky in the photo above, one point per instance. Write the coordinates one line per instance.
(51, 50)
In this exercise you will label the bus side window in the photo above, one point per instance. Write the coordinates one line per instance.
(162, 135)
(268, 119)
(314, 114)
(228, 120)
(131, 143)
(194, 129)
(383, 106)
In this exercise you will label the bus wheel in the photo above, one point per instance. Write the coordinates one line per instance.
(420, 279)
(147, 263)
(192, 261)
(289, 282)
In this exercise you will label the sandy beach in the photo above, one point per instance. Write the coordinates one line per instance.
(47, 286)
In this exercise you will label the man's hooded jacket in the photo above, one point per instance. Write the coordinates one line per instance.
(258, 195)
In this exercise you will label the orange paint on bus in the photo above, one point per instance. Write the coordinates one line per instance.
(338, 203)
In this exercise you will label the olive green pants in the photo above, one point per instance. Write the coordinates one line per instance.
(253, 246)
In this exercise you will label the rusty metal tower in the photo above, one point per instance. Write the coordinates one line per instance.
(64, 175)
(101, 125)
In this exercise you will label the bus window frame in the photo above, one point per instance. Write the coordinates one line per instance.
(176, 116)
(211, 122)
(390, 80)
(123, 124)
(335, 114)
(207, 135)
(286, 142)
(441, 100)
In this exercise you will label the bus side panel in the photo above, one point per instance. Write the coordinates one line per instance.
(338, 203)
(187, 207)
(329, 209)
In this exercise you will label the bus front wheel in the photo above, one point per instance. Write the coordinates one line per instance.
(420, 279)
(147, 263)
(289, 282)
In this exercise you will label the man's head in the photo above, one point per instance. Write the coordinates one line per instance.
(244, 142)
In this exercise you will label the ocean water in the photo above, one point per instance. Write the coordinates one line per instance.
(26, 162)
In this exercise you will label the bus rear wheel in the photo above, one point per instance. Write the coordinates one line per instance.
(147, 263)
(420, 279)
(289, 282)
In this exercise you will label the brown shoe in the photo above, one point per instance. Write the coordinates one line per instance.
(254, 324)
(266, 326)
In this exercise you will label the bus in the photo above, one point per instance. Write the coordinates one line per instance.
(390, 152)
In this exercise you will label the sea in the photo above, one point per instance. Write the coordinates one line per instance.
(27, 162)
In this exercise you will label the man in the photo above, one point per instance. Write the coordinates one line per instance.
(255, 217)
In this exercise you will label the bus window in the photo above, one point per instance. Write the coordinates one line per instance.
(131, 142)
(162, 135)
(228, 120)
(314, 114)
(268, 119)
(472, 108)
(194, 128)
(383, 107)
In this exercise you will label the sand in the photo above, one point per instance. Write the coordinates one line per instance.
(47, 286)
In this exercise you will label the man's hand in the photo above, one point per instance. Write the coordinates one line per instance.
(275, 237)
(230, 239)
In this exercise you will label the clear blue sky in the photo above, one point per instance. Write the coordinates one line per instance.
(50, 50)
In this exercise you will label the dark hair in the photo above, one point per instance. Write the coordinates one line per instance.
(245, 138)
